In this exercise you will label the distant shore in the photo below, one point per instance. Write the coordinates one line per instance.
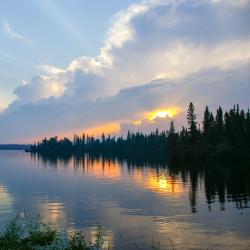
(14, 146)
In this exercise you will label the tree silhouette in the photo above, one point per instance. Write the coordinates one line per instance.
(224, 136)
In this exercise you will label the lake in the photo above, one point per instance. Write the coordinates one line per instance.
(185, 205)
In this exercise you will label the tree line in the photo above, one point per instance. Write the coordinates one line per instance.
(223, 134)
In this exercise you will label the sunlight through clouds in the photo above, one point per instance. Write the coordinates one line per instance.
(54, 11)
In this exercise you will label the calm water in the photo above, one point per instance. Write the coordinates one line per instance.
(192, 206)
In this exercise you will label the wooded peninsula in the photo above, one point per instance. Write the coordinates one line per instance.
(222, 135)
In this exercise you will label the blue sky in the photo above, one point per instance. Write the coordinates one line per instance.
(73, 66)
(54, 32)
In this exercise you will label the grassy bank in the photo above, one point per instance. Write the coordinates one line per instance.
(25, 233)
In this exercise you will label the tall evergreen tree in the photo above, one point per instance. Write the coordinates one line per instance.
(172, 128)
(191, 120)
(219, 124)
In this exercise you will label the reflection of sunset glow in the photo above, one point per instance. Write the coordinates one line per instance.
(163, 113)
(54, 212)
(163, 184)
(103, 169)
(158, 183)
(5, 200)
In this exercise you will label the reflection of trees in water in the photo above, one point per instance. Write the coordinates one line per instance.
(227, 182)
(222, 181)
(51, 160)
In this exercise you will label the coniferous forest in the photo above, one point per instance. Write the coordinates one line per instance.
(222, 135)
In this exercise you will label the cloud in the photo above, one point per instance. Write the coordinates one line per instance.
(175, 43)
(41, 87)
(50, 69)
(212, 87)
(24, 82)
(158, 53)
(13, 34)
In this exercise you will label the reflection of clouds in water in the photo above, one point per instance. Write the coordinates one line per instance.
(54, 212)
(5, 200)
(182, 234)
(171, 231)
(125, 224)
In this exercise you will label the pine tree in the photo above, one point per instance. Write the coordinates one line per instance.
(191, 120)
(219, 124)
(172, 141)
(172, 128)
(206, 121)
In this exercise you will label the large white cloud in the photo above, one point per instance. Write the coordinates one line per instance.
(162, 40)
(211, 87)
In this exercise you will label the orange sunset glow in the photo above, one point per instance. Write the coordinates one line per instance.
(114, 127)
(106, 128)
(162, 113)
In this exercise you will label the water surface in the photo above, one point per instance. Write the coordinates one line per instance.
(179, 206)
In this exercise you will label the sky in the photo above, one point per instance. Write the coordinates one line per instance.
(73, 66)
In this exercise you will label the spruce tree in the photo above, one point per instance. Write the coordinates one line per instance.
(219, 124)
(191, 119)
